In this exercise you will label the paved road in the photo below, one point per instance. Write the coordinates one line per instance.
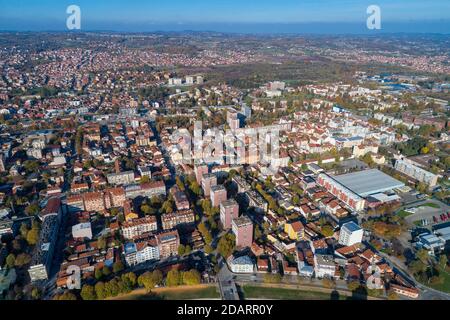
(227, 285)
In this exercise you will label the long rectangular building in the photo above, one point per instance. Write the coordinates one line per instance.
(406, 166)
(341, 192)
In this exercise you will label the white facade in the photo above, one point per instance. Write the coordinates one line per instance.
(147, 253)
(243, 264)
(407, 167)
(82, 230)
(350, 234)
(324, 266)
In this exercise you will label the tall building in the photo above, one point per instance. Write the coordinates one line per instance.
(350, 234)
(208, 180)
(181, 200)
(42, 258)
(200, 170)
(168, 243)
(218, 195)
(229, 210)
(233, 119)
(242, 228)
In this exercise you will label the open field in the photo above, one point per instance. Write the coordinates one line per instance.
(258, 292)
(173, 293)
(445, 286)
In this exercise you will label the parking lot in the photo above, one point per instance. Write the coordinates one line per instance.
(425, 212)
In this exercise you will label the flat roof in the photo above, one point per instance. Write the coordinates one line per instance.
(368, 182)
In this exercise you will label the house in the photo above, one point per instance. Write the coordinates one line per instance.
(262, 265)
(242, 264)
(295, 230)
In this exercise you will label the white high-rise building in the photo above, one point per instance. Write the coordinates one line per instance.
(350, 234)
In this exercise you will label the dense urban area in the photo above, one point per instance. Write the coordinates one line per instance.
(99, 198)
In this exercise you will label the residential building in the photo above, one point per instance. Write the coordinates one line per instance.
(208, 180)
(177, 218)
(137, 227)
(295, 230)
(242, 264)
(406, 167)
(350, 234)
(229, 210)
(218, 195)
(121, 178)
(324, 266)
(242, 228)
(168, 243)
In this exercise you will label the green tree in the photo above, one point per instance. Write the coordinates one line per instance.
(147, 281)
(393, 295)
(88, 292)
(422, 255)
(106, 271)
(191, 277)
(443, 262)
(327, 230)
(353, 285)
(33, 236)
(101, 243)
(208, 249)
(10, 261)
(144, 179)
(32, 209)
(35, 293)
(118, 266)
(226, 245)
(22, 259)
(157, 277)
(67, 295)
(98, 274)
(328, 283)
(100, 290)
(173, 278)
(24, 230)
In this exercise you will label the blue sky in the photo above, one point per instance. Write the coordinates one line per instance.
(140, 15)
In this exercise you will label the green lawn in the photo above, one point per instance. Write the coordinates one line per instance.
(430, 204)
(283, 294)
(204, 293)
(403, 214)
(173, 293)
(445, 286)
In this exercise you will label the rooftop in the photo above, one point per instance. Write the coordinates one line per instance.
(368, 182)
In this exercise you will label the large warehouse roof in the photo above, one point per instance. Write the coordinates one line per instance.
(368, 182)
